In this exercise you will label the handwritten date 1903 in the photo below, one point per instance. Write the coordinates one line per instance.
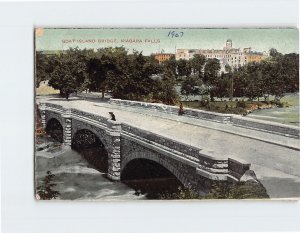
(173, 34)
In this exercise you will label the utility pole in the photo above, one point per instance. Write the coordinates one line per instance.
(231, 87)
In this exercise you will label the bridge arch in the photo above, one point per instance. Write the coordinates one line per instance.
(54, 128)
(53, 115)
(100, 133)
(90, 146)
(152, 156)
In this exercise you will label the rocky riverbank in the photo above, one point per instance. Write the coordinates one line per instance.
(234, 107)
(259, 106)
(287, 112)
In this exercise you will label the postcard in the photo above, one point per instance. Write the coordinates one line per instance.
(166, 113)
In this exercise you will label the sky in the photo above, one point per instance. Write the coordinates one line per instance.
(285, 40)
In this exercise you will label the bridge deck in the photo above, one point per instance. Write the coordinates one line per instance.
(277, 166)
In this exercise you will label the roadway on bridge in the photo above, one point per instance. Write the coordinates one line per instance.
(276, 166)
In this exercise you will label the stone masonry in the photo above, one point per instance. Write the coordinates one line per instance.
(193, 167)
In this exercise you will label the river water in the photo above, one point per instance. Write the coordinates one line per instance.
(82, 176)
(285, 115)
(75, 178)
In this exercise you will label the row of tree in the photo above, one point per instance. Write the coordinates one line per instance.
(138, 77)
(274, 76)
(128, 76)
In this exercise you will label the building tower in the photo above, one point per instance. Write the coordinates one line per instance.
(229, 43)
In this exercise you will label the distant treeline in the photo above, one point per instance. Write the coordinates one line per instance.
(138, 77)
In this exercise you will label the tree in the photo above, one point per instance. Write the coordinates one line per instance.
(274, 53)
(41, 63)
(70, 74)
(254, 79)
(45, 65)
(289, 64)
(171, 65)
(197, 64)
(211, 73)
(191, 86)
(101, 63)
(183, 68)
(132, 78)
(164, 89)
(228, 69)
(223, 86)
(273, 76)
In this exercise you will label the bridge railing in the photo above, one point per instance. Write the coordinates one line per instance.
(236, 168)
(266, 126)
(156, 107)
(236, 120)
(207, 164)
(75, 113)
(51, 105)
(181, 149)
(95, 117)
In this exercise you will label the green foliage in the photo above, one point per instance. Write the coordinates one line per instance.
(274, 76)
(241, 190)
(222, 190)
(44, 66)
(102, 62)
(197, 63)
(211, 74)
(40, 71)
(45, 191)
(191, 86)
(211, 71)
(222, 86)
(131, 76)
(248, 190)
(183, 193)
(133, 79)
(165, 89)
(184, 68)
(241, 104)
(171, 65)
(70, 73)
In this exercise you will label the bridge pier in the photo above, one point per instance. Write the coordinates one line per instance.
(67, 127)
(42, 108)
(114, 153)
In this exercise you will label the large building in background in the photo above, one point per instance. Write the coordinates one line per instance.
(161, 57)
(234, 57)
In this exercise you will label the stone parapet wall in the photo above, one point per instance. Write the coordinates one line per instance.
(187, 151)
(236, 120)
(88, 115)
(206, 163)
(51, 105)
(271, 127)
(237, 169)
(156, 107)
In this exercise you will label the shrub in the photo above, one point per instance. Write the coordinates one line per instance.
(241, 190)
(241, 104)
(183, 193)
(45, 191)
(278, 103)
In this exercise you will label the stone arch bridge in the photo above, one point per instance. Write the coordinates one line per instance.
(193, 167)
